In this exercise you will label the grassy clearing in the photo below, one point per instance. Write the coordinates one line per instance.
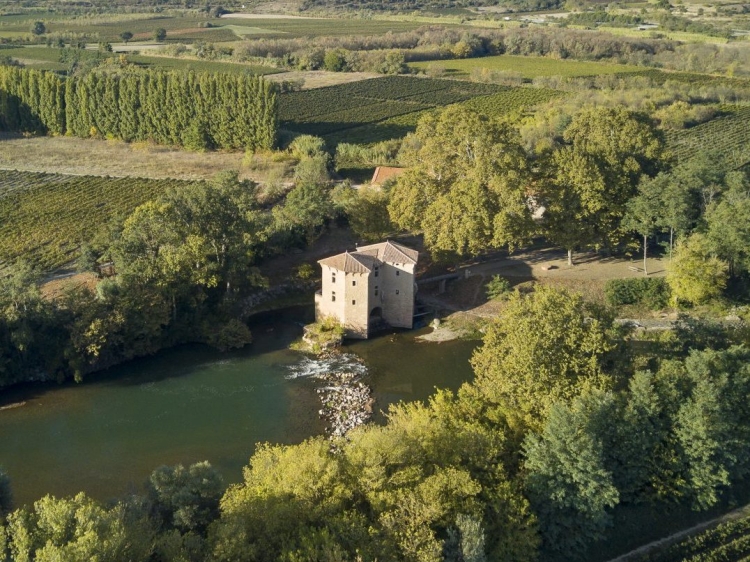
(529, 67)
(170, 63)
(315, 27)
(45, 217)
(68, 155)
(673, 35)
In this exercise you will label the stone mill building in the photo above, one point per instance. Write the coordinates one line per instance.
(369, 288)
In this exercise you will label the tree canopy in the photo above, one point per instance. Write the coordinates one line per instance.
(468, 187)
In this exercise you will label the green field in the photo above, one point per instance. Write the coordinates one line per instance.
(168, 63)
(389, 107)
(529, 67)
(188, 28)
(45, 217)
(314, 27)
(729, 134)
(501, 103)
(48, 58)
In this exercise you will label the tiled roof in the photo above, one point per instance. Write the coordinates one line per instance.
(364, 258)
(383, 173)
(349, 263)
(391, 252)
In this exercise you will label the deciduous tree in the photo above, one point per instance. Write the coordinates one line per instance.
(469, 186)
(545, 348)
(596, 174)
(694, 275)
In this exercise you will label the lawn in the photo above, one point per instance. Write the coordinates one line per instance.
(529, 67)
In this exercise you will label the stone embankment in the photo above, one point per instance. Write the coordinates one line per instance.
(251, 303)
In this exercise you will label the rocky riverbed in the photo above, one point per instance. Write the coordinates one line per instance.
(346, 401)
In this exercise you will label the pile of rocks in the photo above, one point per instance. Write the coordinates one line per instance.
(347, 402)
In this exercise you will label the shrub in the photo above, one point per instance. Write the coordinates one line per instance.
(652, 292)
(497, 287)
(305, 272)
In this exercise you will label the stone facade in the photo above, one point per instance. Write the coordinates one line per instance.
(369, 287)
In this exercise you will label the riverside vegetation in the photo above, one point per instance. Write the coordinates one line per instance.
(569, 424)
(574, 429)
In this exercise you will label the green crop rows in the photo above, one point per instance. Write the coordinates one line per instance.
(728, 134)
(386, 108)
(45, 217)
(389, 107)
(727, 542)
(511, 100)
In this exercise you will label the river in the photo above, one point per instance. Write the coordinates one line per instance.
(190, 403)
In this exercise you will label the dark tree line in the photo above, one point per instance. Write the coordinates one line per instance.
(197, 111)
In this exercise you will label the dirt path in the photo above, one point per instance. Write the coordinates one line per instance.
(675, 537)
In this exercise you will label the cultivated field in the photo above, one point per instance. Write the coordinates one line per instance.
(50, 58)
(45, 217)
(529, 67)
(729, 134)
(186, 28)
(389, 107)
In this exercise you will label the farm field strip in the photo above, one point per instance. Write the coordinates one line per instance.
(225, 29)
(729, 134)
(329, 110)
(504, 100)
(332, 122)
(45, 217)
(48, 58)
(170, 63)
(529, 67)
(512, 100)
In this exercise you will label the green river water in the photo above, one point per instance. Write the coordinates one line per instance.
(190, 403)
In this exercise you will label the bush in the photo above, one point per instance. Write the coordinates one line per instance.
(497, 287)
(652, 292)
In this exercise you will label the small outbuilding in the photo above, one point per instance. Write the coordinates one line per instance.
(384, 173)
(368, 289)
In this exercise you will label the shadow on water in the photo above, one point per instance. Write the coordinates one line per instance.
(190, 403)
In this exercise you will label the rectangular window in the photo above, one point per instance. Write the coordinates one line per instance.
(398, 272)
(376, 291)
(333, 279)
(333, 296)
(354, 283)
(354, 302)
(376, 271)
(397, 291)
